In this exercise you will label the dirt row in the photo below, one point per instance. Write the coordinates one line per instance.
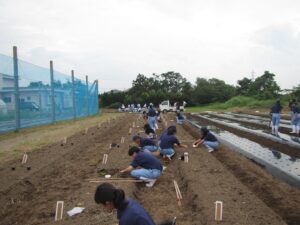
(60, 173)
(279, 196)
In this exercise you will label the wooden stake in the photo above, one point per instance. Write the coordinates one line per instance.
(122, 140)
(133, 124)
(104, 160)
(59, 210)
(114, 180)
(178, 193)
(99, 125)
(25, 157)
(86, 130)
(130, 130)
(65, 140)
(218, 211)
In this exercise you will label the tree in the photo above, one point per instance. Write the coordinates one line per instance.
(265, 87)
(244, 86)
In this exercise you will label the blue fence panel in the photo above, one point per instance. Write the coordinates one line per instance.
(7, 101)
(35, 96)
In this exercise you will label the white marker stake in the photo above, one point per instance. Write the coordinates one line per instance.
(130, 130)
(59, 210)
(186, 157)
(86, 130)
(218, 211)
(99, 125)
(104, 160)
(25, 157)
(133, 124)
(65, 140)
(110, 146)
(166, 124)
(122, 140)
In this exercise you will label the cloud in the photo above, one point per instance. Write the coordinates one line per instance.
(115, 40)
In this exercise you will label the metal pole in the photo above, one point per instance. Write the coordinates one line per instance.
(73, 95)
(97, 96)
(16, 87)
(52, 92)
(87, 94)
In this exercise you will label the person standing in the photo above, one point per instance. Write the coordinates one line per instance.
(292, 104)
(275, 113)
(150, 167)
(296, 118)
(152, 117)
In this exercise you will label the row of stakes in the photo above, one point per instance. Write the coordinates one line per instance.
(60, 204)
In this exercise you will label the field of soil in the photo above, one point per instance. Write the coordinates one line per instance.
(29, 192)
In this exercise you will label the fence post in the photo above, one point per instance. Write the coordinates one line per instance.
(16, 87)
(87, 95)
(97, 96)
(73, 95)
(52, 92)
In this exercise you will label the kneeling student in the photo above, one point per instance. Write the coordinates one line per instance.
(167, 142)
(207, 139)
(146, 144)
(151, 167)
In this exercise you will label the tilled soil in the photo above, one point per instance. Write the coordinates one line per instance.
(60, 173)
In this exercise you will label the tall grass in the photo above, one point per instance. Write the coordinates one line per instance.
(238, 102)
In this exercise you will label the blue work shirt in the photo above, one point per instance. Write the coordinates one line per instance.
(146, 161)
(168, 141)
(134, 214)
(146, 142)
(210, 137)
(151, 113)
(276, 108)
(296, 109)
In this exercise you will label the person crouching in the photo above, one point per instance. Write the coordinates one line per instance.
(150, 167)
(146, 144)
(207, 139)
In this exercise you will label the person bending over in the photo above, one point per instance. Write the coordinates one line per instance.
(149, 131)
(146, 144)
(129, 212)
(207, 139)
(167, 142)
(144, 166)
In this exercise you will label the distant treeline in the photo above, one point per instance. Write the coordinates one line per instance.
(174, 87)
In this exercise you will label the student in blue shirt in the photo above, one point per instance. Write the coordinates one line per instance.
(275, 113)
(150, 167)
(167, 142)
(179, 118)
(296, 118)
(152, 117)
(129, 212)
(146, 144)
(149, 131)
(292, 104)
(207, 139)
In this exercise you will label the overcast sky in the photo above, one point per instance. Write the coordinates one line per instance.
(114, 40)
